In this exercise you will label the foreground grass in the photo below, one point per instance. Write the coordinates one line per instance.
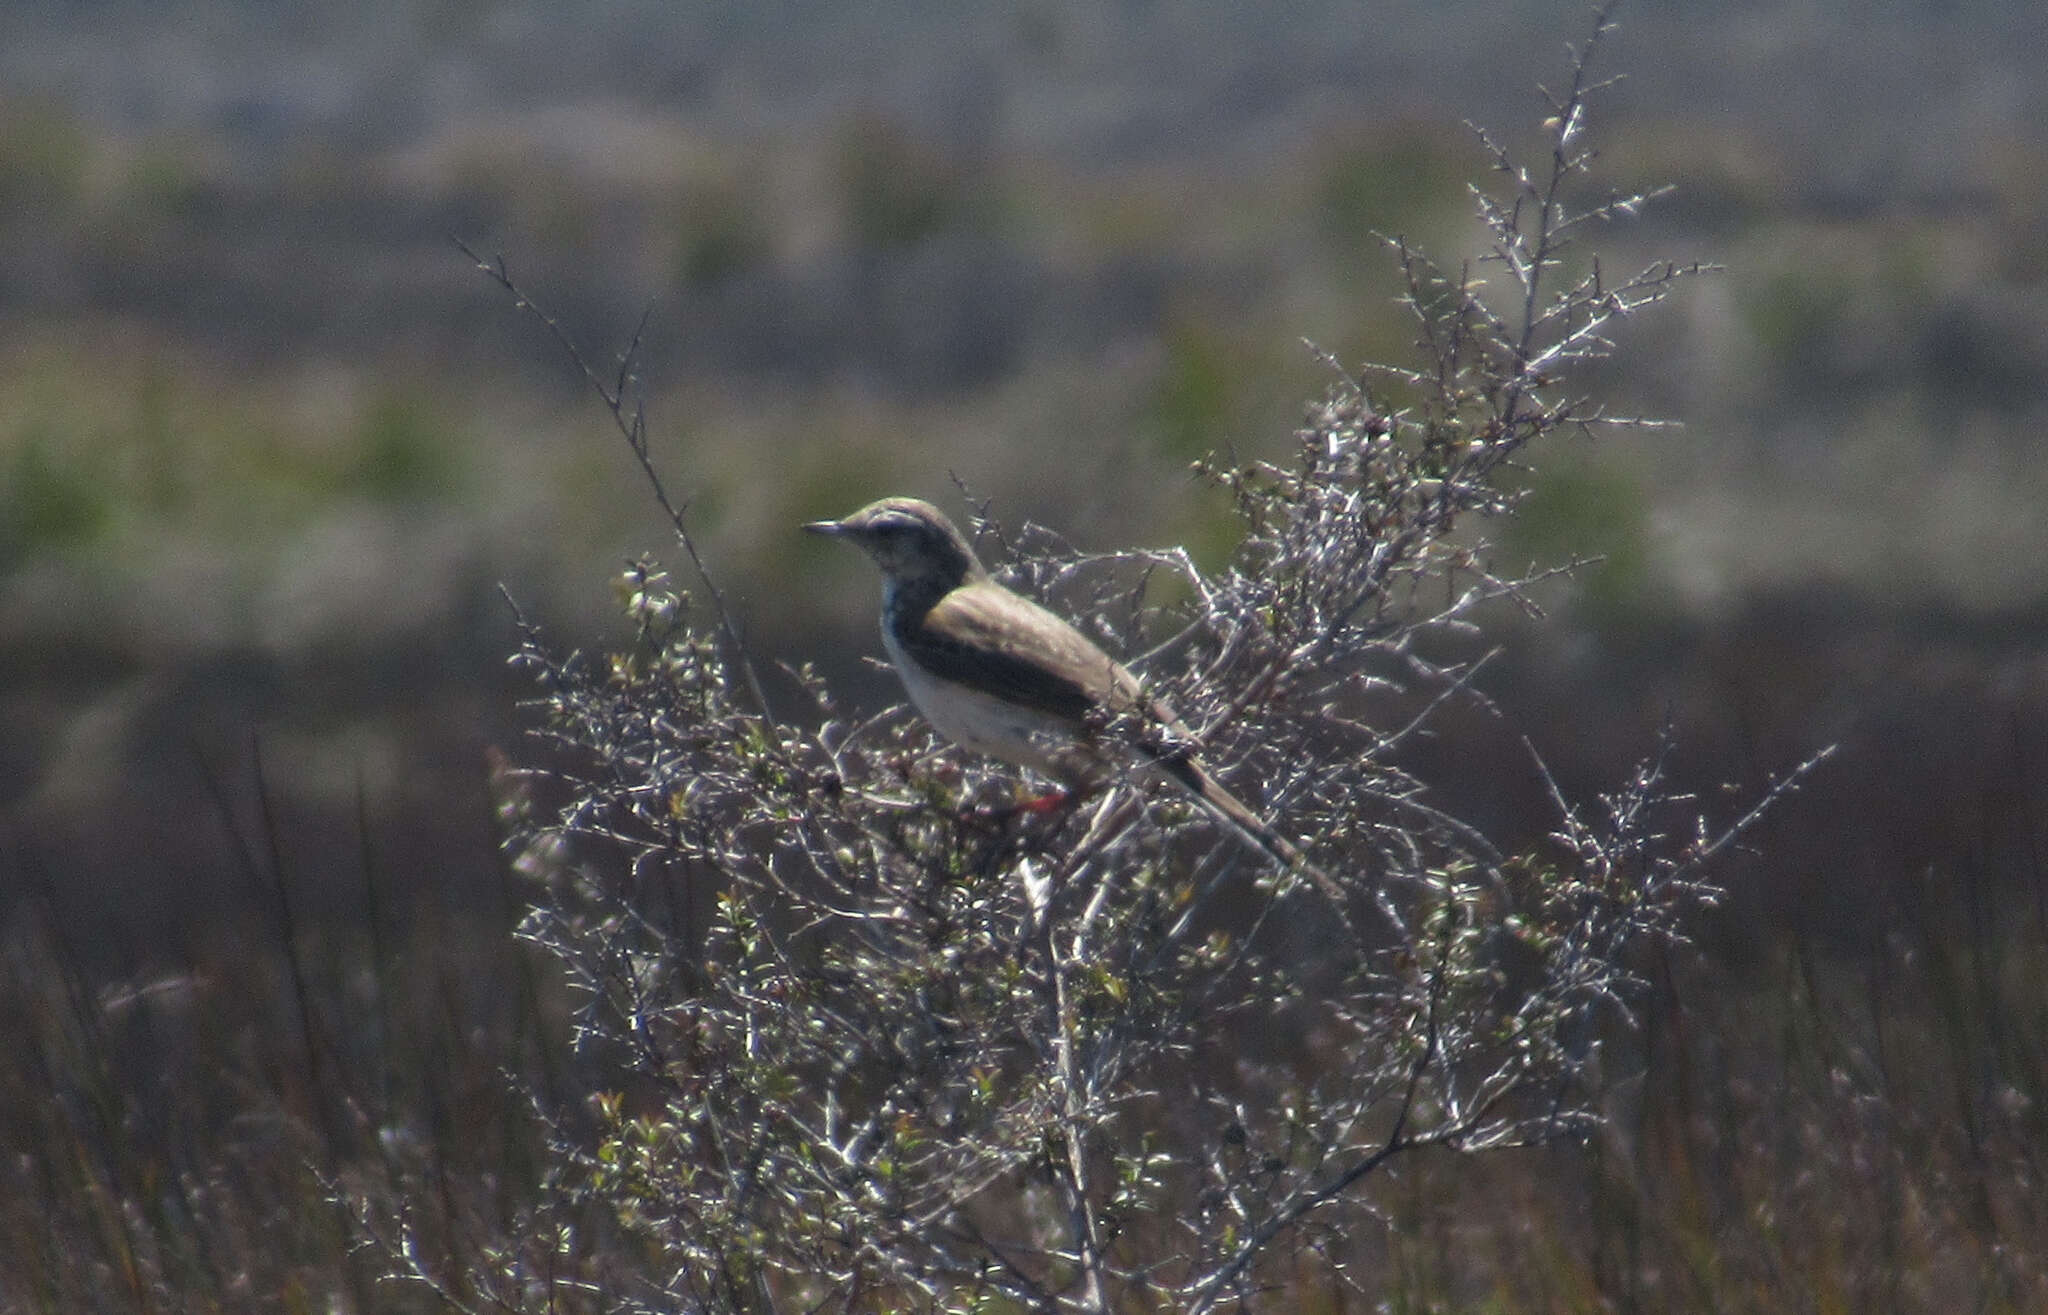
(1843, 1122)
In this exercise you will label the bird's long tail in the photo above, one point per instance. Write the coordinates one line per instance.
(1228, 809)
(1232, 811)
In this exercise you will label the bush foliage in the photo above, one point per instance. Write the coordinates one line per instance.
(872, 1039)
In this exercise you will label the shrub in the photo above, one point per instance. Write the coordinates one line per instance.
(872, 1042)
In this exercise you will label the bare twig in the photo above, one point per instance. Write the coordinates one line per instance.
(628, 410)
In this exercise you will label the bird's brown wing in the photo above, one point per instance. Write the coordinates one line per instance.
(985, 637)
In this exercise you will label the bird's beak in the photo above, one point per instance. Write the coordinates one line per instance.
(826, 527)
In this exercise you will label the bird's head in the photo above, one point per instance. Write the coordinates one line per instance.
(911, 540)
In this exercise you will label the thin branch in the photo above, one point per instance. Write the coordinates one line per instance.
(631, 422)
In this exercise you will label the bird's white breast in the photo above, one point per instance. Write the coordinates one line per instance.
(978, 721)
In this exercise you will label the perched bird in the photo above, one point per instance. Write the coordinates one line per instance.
(997, 673)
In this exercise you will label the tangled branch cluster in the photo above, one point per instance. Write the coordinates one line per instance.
(877, 1042)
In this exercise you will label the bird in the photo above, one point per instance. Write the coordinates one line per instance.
(996, 673)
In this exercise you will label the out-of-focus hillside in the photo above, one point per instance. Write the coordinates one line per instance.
(266, 441)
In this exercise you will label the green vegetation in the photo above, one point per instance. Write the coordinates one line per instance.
(720, 233)
(90, 449)
(44, 152)
(1201, 389)
(898, 190)
(50, 503)
(404, 453)
(1583, 508)
(1796, 317)
(1392, 181)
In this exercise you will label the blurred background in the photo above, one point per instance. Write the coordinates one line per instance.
(269, 443)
